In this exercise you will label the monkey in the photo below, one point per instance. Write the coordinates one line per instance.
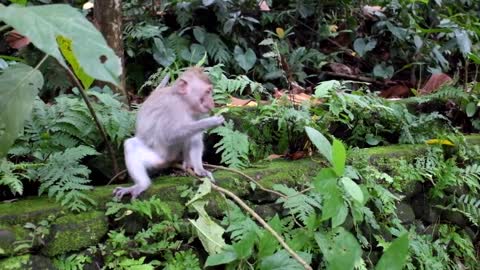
(169, 127)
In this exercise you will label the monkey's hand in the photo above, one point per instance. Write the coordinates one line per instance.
(215, 120)
(134, 190)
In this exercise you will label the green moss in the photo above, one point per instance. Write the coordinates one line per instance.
(31, 209)
(473, 139)
(75, 231)
(26, 262)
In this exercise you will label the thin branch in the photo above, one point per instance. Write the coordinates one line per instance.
(116, 176)
(248, 177)
(259, 219)
(95, 119)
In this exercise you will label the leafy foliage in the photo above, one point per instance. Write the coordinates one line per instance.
(65, 179)
(234, 146)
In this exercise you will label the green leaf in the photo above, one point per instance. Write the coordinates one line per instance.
(364, 45)
(164, 56)
(339, 219)
(395, 255)
(372, 139)
(246, 60)
(282, 260)
(244, 247)
(42, 24)
(324, 88)
(228, 25)
(209, 232)
(65, 46)
(267, 243)
(19, 85)
(475, 58)
(471, 109)
(321, 143)
(194, 54)
(199, 34)
(339, 157)
(353, 189)
(326, 184)
(340, 248)
(463, 41)
(228, 255)
(383, 71)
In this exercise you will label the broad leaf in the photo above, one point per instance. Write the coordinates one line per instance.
(339, 219)
(463, 41)
(65, 45)
(395, 256)
(164, 56)
(209, 232)
(19, 85)
(194, 54)
(364, 45)
(321, 143)
(383, 71)
(282, 260)
(471, 109)
(353, 189)
(267, 243)
(226, 256)
(42, 25)
(340, 248)
(326, 184)
(339, 157)
(244, 247)
(246, 59)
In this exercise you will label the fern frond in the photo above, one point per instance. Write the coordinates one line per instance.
(233, 145)
(63, 177)
(300, 205)
(468, 206)
(239, 225)
(9, 178)
(216, 48)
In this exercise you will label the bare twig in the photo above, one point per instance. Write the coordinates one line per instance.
(248, 177)
(95, 119)
(116, 176)
(259, 219)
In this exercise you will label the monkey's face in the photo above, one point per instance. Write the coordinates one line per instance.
(199, 96)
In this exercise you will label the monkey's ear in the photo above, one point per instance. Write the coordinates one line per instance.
(182, 86)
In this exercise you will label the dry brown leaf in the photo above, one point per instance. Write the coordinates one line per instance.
(274, 156)
(16, 40)
(435, 82)
(264, 6)
(238, 102)
(396, 91)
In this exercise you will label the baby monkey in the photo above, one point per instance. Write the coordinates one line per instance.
(169, 128)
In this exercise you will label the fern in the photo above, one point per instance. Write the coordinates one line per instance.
(72, 262)
(181, 260)
(239, 225)
(9, 178)
(468, 206)
(300, 205)
(225, 87)
(216, 48)
(145, 208)
(65, 179)
(471, 176)
(233, 145)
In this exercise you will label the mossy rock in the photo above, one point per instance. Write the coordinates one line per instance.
(8, 235)
(74, 232)
(27, 262)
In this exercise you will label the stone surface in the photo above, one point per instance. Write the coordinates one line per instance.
(74, 232)
(405, 213)
(27, 262)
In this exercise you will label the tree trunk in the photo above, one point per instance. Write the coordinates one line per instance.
(108, 19)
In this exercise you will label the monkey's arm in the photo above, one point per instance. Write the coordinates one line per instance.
(186, 132)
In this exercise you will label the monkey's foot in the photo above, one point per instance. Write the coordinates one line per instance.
(204, 173)
(134, 191)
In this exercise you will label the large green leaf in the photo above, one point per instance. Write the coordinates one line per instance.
(282, 260)
(321, 143)
(19, 85)
(209, 232)
(42, 25)
(245, 59)
(395, 256)
(340, 248)
(339, 157)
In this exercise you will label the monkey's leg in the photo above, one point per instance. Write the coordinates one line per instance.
(138, 158)
(195, 153)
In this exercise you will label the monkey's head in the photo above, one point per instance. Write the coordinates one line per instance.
(196, 90)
